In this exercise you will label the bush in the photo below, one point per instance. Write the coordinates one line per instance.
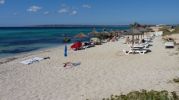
(176, 80)
(176, 29)
(144, 95)
(167, 32)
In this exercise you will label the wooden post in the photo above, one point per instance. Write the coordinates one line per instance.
(132, 38)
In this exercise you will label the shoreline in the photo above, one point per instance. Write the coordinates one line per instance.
(26, 54)
(104, 70)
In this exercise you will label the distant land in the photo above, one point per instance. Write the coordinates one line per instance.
(74, 26)
(56, 25)
(70, 26)
(63, 26)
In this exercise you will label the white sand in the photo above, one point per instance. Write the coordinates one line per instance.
(104, 70)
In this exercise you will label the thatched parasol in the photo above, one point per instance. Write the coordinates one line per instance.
(135, 31)
(80, 35)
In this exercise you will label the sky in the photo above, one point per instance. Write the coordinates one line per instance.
(88, 12)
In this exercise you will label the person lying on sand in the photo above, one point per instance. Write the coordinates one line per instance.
(71, 64)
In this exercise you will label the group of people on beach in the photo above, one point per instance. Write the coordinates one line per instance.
(137, 41)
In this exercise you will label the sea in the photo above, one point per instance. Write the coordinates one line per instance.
(18, 40)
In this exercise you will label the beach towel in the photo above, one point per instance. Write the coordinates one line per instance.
(35, 59)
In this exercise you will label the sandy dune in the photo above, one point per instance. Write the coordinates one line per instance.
(104, 70)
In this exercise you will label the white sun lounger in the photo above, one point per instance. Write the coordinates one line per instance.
(134, 51)
(30, 61)
(142, 45)
(138, 46)
(148, 39)
(128, 52)
(141, 51)
(146, 45)
(169, 45)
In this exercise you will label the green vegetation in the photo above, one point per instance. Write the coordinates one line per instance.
(176, 80)
(144, 95)
(166, 30)
(176, 30)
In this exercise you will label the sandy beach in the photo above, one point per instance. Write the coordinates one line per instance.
(104, 70)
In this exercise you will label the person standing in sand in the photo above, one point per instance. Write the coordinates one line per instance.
(127, 40)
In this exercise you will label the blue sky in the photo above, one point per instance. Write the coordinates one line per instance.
(113, 12)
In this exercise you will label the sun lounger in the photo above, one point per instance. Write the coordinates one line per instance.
(88, 45)
(33, 60)
(134, 51)
(138, 46)
(148, 39)
(128, 52)
(145, 45)
(141, 51)
(169, 44)
(142, 45)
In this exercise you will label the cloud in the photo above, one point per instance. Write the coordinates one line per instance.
(46, 12)
(86, 6)
(74, 12)
(67, 10)
(34, 8)
(2, 2)
(63, 10)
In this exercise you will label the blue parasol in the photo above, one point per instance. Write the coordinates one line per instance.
(65, 51)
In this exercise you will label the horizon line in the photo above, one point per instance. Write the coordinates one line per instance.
(77, 25)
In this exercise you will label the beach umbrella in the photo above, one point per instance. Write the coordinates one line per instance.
(133, 37)
(81, 35)
(65, 50)
(135, 31)
(94, 32)
(66, 40)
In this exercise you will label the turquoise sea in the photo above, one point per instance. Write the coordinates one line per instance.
(16, 40)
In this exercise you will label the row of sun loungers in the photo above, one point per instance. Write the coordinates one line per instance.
(141, 48)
